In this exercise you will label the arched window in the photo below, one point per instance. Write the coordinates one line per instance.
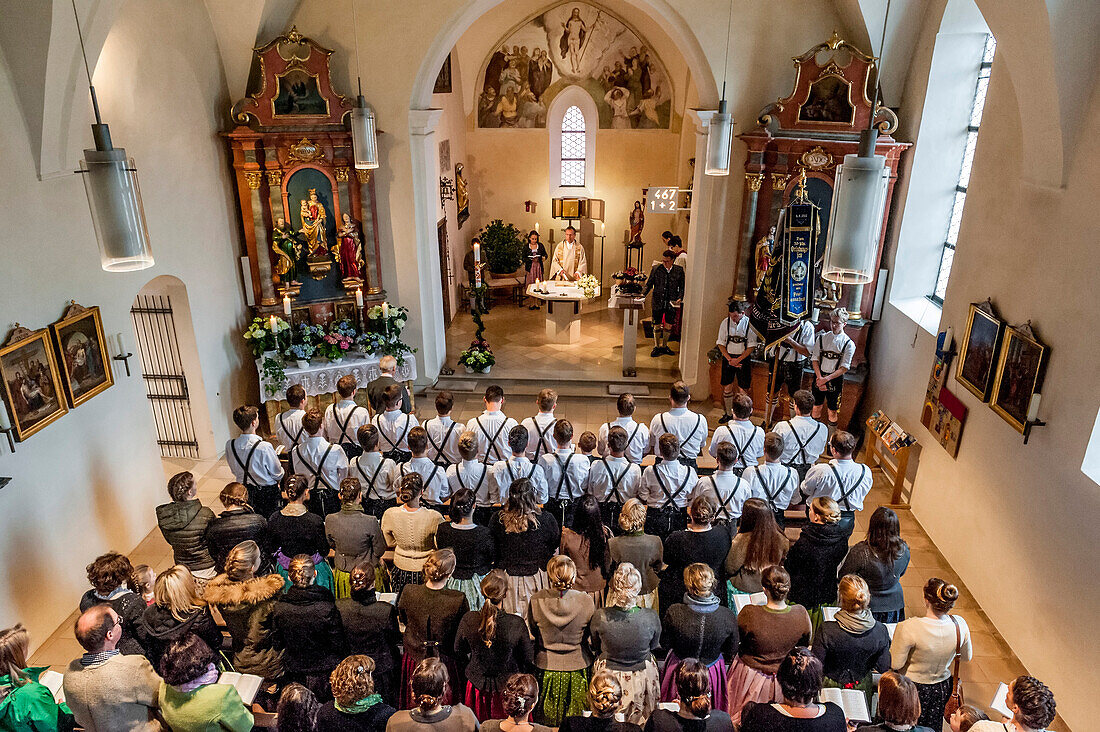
(573, 149)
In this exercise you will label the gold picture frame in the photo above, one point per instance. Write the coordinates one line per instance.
(82, 354)
(980, 344)
(1020, 371)
(32, 384)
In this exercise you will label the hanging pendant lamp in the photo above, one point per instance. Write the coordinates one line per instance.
(114, 198)
(364, 131)
(720, 129)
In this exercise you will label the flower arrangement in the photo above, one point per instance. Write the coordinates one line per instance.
(260, 337)
(631, 281)
(589, 284)
(479, 356)
(385, 323)
(300, 351)
(335, 343)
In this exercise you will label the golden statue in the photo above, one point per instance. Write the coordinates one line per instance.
(764, 249)
(314, 219)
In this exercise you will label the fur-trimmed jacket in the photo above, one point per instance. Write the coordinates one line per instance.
(246, 607)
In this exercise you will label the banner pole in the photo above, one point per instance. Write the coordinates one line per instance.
(770, 409)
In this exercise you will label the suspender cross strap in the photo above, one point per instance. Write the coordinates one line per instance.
(442, 444)
(741, 448)
(492, 440)
(404, 433)
(771, 496)
(318, 475)
(846, 491)
(615, 481)
(670, 498)
(563, 479)
(431, 476)
(344, 427)
(689, 438)
(247, 464)
(373, 478)
(508, 467)
(723, 504)
(296, 438)
(541, 446)
(802, 445)
(480, 481)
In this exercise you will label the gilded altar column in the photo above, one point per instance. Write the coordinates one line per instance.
(255, 179)
(748, 227)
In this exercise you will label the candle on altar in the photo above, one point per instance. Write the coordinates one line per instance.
(536, 227)
(286, 304)
(385, 310)
(358, 298)
(477, 252)
(272, 324)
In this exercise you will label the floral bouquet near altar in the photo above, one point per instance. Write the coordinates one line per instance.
(370, 342)
(300, 352)
(336, 342)
(479, 356)
(631, 281)
(261, 339)
(589, 284)
(388, 321)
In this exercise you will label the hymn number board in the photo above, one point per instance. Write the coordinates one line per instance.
(663, 200)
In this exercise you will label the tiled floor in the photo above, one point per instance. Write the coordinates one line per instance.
(993, 660)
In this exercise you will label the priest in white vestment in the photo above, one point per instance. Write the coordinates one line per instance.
(569, 262)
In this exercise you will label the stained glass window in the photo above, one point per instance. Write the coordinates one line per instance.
(572, 147)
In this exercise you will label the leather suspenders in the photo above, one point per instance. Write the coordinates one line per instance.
(847, 491)
(802, 445)
(741, 448)
(435, 469)
(247, 464)
(316, 472)
(492, 447)
(670, 498)
(563, 478)
(344, 427)
(480, 482)
(723, 507)
(541, 447)
(370, 481)
(394, 444)
(615, 480)
(296, 438)
(689, 438)
(442, 444)
(768, 493)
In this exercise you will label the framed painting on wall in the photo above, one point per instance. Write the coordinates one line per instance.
(82, 354)
(32, 385)
(1019, 375)
(979, 350)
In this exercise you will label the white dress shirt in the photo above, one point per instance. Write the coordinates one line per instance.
(576, 473)
(348, 414)
(803, 335)
(821, 481)
(436, 487)
(263, 469)
(728, 492)
(812, 434)
(494, 427)
(636, 432)
(736, 337)
(310, 462)
(438, 437)
(540, 437)
(690, 427)
(669, 475)
(394, 426)
(747, 440)
(472, 474)
(505, 472)
(828, 343)
(772, 482)
(288, 428)
(372, 466)
(613, 479)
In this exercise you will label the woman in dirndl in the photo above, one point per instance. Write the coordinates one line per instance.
(525, 537)
(409, 529)
(533, 257)
(625, 637)
(294, 530)
(699, 626)
(472, 544)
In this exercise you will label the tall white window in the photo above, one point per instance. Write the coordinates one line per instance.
(573, 148)
(955, 221)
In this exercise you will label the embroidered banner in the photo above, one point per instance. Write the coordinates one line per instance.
(803, 225)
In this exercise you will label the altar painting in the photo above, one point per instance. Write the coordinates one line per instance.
(313, 220)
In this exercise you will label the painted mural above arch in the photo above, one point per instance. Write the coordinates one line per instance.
(574, 44)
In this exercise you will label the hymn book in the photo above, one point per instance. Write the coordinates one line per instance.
(247, 685)
(852, 701)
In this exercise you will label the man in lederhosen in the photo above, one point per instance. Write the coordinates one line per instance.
(735, 342)
(254, 462)
(842, 479)
(832, 357)
(793, 355)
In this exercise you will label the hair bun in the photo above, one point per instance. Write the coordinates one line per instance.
(948, 592)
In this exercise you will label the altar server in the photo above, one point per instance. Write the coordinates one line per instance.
(690, 428)
(667, 282)
(793, 355)
(637, 433)
(443, 431)
(541, 426)
(472, 474)
(831, 359)
(322, 464)
(666, 489)
(254, 462)
(344, 418)
(735, 342)
(613, 479)
(434, 478)
(376, 473)
(842, 479)
(747, 439)
(506, 472)
(492, 427)
(566, 472)
(394, 426)
(803, 436)
(773, 481)
(288, 425)
(725, 488)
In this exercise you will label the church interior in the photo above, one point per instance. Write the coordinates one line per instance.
(442, 199)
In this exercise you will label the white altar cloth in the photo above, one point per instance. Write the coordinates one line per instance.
(321, 376)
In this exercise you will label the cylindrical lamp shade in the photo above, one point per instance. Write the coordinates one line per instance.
(855, 224)
(114, 198)
(719, 143)
(364, 136)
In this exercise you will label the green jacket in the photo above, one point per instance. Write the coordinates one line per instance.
(27, 707)
(210, 708)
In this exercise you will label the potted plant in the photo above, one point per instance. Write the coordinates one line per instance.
(502, 246)
(385, 323)
(479, 356)
(334, 345)
(261, 339)
(631, 281)
(274, 374)
(301, 352)
(589, 285)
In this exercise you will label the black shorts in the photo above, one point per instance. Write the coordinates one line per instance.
(664, 316)
(742, 374)
(830, 397)
(790, 376)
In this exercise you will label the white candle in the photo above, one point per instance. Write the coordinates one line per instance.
(947, 338)
(601, 228)
(272, 323)
(536, 227)
(477, 252)
(358, 298)
(116, 344)
(385, 310)
(1033, 408)
(5, 423)
(286, 304)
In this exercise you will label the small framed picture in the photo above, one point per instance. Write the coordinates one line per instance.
(979, 351)
(1019, 376)
(82, 354)
(32, 384)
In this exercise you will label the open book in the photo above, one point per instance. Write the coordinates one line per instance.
(390, 597)
(1000, 701)
(852, 701)
(52, 681)
(756, 598)
(247, 685)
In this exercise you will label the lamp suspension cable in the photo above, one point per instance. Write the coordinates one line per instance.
(867, 142)
(355, 32)
(720, 125)
(87, 71)
(364, 131)
(726, 55)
